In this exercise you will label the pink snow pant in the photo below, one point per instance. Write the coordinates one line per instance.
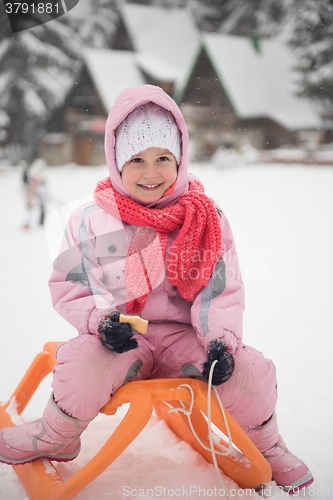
(87, 374)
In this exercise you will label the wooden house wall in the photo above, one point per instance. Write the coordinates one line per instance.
(204, 88)
(266, 133)
(75, 121)
(122, 40)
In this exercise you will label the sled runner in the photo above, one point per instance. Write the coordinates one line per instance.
(40, 478)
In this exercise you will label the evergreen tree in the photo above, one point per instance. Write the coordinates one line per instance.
(310, 34)
(37, 70)
(252, 17)
(98, 28)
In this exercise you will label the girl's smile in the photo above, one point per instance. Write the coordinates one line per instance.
(149, 174)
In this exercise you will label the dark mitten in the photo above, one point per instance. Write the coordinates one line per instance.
(223, 369)
(114, 335)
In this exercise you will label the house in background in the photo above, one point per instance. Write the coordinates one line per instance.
(104, 75)
(77, 129)
(232, 92)
(152, 45)
(241, 93)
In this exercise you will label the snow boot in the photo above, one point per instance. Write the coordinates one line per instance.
(55, 436)
(289, 471)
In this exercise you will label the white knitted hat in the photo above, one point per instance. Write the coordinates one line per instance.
(148, 126)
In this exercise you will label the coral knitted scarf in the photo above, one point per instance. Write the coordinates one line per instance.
(192, 256)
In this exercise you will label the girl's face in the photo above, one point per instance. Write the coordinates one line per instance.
(149, 174)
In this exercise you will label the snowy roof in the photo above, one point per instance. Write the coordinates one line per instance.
(157, 68)
(260, 83)
(112, 71)
(170, 35)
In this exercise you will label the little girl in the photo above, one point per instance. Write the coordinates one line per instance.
(151, 244)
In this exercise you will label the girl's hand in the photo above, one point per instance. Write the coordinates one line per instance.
(220, 351)
(116, 336)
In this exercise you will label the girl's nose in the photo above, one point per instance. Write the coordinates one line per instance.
(151, 171)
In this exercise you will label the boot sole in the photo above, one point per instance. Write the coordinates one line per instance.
(54, 458)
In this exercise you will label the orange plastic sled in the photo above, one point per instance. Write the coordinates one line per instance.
(43, 482)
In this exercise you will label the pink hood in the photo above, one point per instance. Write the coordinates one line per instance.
(126, 102)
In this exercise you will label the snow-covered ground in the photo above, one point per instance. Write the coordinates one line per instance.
(282, 219)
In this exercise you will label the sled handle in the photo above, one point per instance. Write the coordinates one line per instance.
(139, 324)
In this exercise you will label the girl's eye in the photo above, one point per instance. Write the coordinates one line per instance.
(163, 158)
(136, 160)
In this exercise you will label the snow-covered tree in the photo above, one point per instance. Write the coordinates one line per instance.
(37, 70)
(310, 33)
(40, 65)
(99, 26)
(252, 17)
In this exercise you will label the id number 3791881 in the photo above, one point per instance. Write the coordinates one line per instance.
(32, 8)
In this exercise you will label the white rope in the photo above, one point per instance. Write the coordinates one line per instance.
(188, 413)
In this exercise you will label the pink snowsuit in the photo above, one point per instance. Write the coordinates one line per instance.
(88, 278)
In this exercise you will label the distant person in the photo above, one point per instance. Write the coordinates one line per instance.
(152, 243)
(35, 192)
